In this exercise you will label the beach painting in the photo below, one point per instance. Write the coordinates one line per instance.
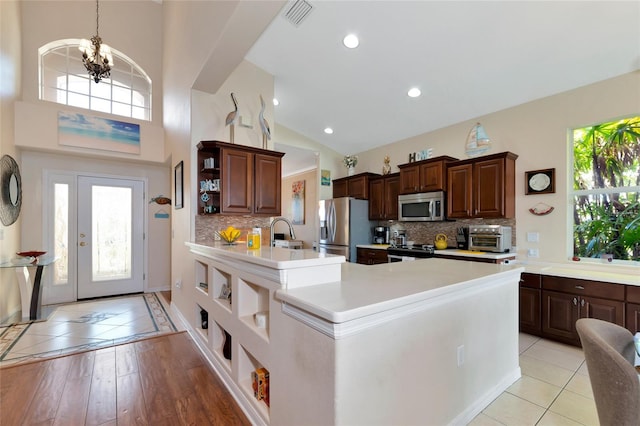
(79, 130)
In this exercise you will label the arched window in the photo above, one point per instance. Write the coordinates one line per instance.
(64, 80)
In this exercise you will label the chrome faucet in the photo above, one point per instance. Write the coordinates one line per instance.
(285, 220)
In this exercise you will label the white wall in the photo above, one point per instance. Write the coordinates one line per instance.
(10, 90)
(538, 132)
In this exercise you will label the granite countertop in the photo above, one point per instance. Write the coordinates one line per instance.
(373, 246)
(585, 270)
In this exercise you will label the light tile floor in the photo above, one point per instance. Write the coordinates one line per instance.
(87, 325)
(554, 389)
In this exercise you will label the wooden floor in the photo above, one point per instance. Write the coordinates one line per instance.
(159, 381)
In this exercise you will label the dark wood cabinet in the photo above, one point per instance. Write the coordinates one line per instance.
(356, 186)
(383, 197)
(530, 303)
(482, 187)
(632, 308)
(565, 300)
(424, 176)
(249, 179)
(368, 256)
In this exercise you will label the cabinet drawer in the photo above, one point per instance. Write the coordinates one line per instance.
(583, 287)
(633, 294)
(530, 280)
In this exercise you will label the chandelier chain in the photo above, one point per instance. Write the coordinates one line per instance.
(97, 18)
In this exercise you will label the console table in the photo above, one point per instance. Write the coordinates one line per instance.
(30, 290)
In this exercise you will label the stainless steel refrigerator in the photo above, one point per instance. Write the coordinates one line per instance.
(344, 223)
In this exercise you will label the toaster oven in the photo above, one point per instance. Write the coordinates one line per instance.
(491, 238)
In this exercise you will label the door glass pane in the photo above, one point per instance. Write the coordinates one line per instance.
(111, 233)
(61, 233)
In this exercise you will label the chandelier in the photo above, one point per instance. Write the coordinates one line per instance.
(96, 56)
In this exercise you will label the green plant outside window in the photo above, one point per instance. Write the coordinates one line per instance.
(606, 185)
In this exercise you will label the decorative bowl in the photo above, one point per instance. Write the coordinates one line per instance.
(32, 253)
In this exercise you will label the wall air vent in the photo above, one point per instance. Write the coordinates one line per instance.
(298, 11)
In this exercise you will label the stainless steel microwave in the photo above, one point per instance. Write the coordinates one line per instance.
(423, 207)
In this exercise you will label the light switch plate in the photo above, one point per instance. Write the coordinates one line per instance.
(533, 252)
(533, 237)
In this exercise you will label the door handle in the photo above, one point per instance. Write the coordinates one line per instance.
(82, 243)
(575, 301)
(82, 235)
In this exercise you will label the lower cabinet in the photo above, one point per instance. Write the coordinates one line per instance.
(633, 309)
(371, 256)
(530, 304)
(565, 300)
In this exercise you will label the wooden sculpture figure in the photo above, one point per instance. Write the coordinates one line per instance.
(232, 117)
(264, 125)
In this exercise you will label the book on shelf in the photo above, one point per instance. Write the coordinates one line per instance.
(260, 384)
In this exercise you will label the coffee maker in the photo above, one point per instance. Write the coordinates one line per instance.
(381, 235)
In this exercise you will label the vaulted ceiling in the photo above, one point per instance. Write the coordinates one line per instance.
(468, 58)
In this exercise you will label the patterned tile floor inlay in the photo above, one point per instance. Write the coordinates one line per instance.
(84, 326)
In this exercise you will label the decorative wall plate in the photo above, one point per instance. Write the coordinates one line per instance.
(10, 190)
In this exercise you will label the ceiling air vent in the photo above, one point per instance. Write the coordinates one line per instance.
(298, 11)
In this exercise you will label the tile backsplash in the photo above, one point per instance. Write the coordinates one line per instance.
(206, 226)
(425, 232)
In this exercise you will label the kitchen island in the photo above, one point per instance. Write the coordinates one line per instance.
(427, 342)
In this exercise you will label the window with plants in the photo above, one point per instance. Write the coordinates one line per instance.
(606, 185)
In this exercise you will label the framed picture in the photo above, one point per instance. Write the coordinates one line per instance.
(178, 174)
(540, 181)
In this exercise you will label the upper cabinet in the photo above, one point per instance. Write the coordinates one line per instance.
(383, 197)
(482, 187)
(244, 180)
(356, 186)
(424, 176)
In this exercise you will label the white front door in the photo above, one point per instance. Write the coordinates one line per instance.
(110, 236)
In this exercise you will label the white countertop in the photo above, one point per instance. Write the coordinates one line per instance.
(370, 289)
(373, 246)
(271, 257)
(586, 270)
(471, 254)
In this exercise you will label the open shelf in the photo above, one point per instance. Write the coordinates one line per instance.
(201, 315)
(202, 276)
(222, 288)
(253, 299)
(248, 364)
(219, 340)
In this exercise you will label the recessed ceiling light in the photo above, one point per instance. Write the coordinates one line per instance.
(351, 41)
(414, 92)
(328, 130)
(276, 102)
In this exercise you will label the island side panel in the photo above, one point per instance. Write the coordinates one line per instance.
(405, 371)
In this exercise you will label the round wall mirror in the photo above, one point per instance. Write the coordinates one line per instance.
(10, 190)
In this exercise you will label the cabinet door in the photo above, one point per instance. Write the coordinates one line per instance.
(633, 317)
(559, 315)
(236, 181)
(340, 188)
(391, 190)
(268, 180)
(432, 176)
(358, 187)
(409, 180)
(530, 310)
(602, 309)
(488, 187)
(377, 199)
(459, 191)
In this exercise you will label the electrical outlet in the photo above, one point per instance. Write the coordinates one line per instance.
(460, 355)
(179, 284)
(533, 237)
(533, 252)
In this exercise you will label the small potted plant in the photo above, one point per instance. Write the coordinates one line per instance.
(350, 162)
